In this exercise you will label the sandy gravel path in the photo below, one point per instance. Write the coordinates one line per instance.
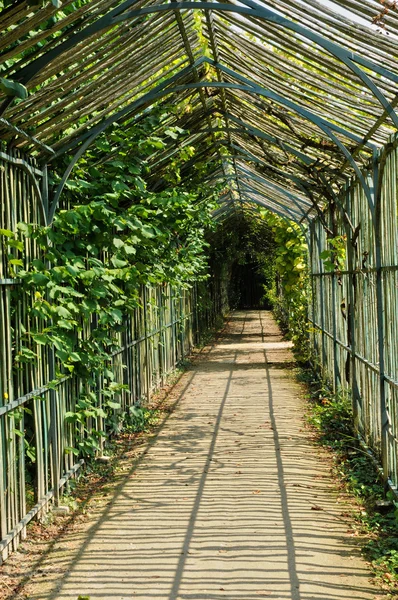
(230, 501)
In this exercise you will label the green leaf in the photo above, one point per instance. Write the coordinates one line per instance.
(17, 244)
(114, 405)
(136, 411)
(116, 314)
(62, 312)
(72, 270)
(70, 416)
(13, 88)
(66, 324)
(328, 265)
(6, 233)
(40, 338)
(64, 356)
(39, 279)
(140, 183)
(31, 453)
(108, 374)
(118, 164)
(25, 228)
(147, 232)
(18, 433)
(118, 243)
(38, 264)
(171, 133)
(117, 262)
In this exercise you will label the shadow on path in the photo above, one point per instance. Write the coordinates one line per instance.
(229, 501)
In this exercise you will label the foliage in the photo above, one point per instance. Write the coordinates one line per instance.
(334, 258)
(243, 239)
(112, 235)
(13, 88)
(278, 248)
(331, 415)
(141, 419)
(290, 291)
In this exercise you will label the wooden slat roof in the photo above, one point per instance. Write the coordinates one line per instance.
(287, 98)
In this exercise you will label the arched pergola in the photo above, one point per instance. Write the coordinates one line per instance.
(292, 105)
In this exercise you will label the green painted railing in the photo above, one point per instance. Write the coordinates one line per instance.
(354, 311)
(36, 441)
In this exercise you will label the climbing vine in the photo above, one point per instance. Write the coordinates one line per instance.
(278, 248)
(290, 290)
(112, 235)
(244, 239)
(334, 258)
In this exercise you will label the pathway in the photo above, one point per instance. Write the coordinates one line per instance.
(231, 500)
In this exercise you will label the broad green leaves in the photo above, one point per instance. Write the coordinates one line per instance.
(13, 88)
(112, 235)
(291, 292)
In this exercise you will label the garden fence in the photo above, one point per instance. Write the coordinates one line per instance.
(354, 310)
(38, 446)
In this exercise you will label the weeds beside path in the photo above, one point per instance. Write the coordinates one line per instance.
(229, 499)
(356, 472)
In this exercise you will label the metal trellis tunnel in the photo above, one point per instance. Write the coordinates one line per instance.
(292, 102)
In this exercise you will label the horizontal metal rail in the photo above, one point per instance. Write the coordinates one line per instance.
(10, 406)
(357, 271)
(151, 334)
(365, 361)
(139, 365)
(6, 541)
(392, 382)
(10, 282)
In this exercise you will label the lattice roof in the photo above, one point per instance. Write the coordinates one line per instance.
(290, 97)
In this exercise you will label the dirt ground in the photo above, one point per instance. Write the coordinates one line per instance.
(230, 499)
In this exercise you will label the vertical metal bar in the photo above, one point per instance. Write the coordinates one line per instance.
(161, 335)
(173, 326)
(147, 361)
(196, 314)
(44, 194)
(351, 340)
(55, 462)
(322, 307)
(380, 314)
(182, 325)
(311, 255)
(334, 325)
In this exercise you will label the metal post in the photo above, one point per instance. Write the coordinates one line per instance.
(311, 264)
(380, 317)
(44, 193)
(54, 428)
(173, 325)
(161, 336)
(147, 361)
(322, 306)
(335, 361)
(350, 314)
(182, 326)
(196, 313)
